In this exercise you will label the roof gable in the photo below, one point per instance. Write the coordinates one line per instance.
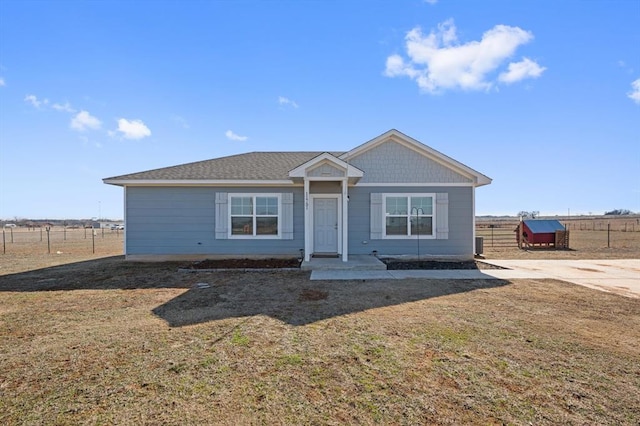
(433, 166)
(326, 159)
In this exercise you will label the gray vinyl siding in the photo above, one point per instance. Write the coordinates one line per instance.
(181, 221)
(460, 213)
(391, 162)
(326, 170)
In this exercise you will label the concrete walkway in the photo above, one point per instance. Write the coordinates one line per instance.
(620, 276)
(355, 262)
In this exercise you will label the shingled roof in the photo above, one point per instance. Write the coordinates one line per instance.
(249, 166)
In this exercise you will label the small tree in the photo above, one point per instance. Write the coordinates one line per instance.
(529, 215)
(618, 212)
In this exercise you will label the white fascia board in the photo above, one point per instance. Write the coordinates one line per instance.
(478, 178)
(301, 170)
(417, 184)
(198, 182)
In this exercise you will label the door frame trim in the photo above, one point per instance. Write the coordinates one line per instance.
(338, 197)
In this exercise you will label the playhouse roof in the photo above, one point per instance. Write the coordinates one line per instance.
(543, 226)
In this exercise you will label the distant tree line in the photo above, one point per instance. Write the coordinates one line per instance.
(68, 223)
(618, 212)
(534, 213)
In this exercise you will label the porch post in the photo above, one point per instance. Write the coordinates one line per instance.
(345, 219)
(307, 224)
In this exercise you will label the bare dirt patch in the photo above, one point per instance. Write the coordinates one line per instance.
(311, 294)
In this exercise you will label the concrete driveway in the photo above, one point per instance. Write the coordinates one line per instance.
(620, 276)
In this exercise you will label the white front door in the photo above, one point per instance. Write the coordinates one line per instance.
(325, 225)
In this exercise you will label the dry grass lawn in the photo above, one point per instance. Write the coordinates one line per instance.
(109, 342)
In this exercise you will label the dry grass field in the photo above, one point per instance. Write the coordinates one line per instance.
(600, 237)
(583, 245)
(91, 339)
(29, 248)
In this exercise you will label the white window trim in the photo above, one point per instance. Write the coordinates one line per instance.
(408, 195)
(253, 195)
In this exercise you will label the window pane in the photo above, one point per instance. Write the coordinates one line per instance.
(396, 205)
(396, 226)
(425, 226)
(423, 205)
(241, 206)
(266, 226)
(241, 226)
(267, 206)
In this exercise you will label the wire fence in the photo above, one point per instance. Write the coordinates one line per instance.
(497, 237)
(502, 234)
(57, 240)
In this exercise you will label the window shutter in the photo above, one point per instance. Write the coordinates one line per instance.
(376, 216)
(222, 216)
(442, 216)
(287, 216)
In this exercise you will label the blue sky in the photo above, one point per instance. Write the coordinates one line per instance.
(541, 96)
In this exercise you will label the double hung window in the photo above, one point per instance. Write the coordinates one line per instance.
(409, 215)
(255, 215)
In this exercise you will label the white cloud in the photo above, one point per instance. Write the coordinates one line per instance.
(35, 102)
(133, 129)
(438, 61)
(2, 82)
(83, 121)
(431, 1)
(520, 70)
(234, 137)
(66, 107)
(286, 101)
(634, 94)
(181, 121)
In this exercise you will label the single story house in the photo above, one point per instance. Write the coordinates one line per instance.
(379, 197)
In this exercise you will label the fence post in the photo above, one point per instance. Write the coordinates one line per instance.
(93, 241)
(608, 235)
(11, 230)
(4, 244)
(64, 238)
(48, 241)
(40, 233)
(85, 232)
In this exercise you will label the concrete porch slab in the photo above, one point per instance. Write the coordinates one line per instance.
(355, 263)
